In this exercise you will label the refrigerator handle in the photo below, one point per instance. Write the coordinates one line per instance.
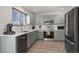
(70, 42)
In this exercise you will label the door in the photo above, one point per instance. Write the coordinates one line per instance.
(71, 26)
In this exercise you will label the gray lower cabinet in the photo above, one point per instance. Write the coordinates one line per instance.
(28, 40)
(59, 35)
(17, 43)
(31, 38)
(7, 44)
(13, 44)
(40, 34)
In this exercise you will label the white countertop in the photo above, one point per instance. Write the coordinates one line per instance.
(18, 34)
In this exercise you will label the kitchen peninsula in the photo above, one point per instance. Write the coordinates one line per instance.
(17, 43)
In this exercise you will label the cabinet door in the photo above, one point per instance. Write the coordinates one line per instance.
(59, 35)
(37, 21)
(32, 19)
(40, 35)
(28, 40)
(35, 35)
(21, 44)
(59, 19)
(31, 38)
(71, 25)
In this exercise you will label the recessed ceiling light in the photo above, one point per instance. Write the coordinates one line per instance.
(35, 10)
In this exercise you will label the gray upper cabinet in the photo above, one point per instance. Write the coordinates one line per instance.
(40, 19)
(30, 18)
(59, 19)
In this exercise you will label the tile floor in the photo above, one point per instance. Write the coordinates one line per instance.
(42, 46)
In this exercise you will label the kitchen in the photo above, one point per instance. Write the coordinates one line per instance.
(28, 28)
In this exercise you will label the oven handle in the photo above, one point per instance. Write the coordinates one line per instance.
(70, 42)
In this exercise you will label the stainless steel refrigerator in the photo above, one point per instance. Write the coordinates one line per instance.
(72, 31)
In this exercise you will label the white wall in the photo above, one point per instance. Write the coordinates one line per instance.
(5, 17)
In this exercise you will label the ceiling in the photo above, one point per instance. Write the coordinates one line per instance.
(48, 9)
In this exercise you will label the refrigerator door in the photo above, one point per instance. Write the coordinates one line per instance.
(69, 46)
(72, 30)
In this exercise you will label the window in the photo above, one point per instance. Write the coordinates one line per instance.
(18, 17)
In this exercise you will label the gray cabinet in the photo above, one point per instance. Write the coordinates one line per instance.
(31, 38)
(13, 44)
(32, 19)
(59, 20)
(59, 35)
(40, 34)
(7, 44)
(37, 20)
(28, 40)
(17, 43)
